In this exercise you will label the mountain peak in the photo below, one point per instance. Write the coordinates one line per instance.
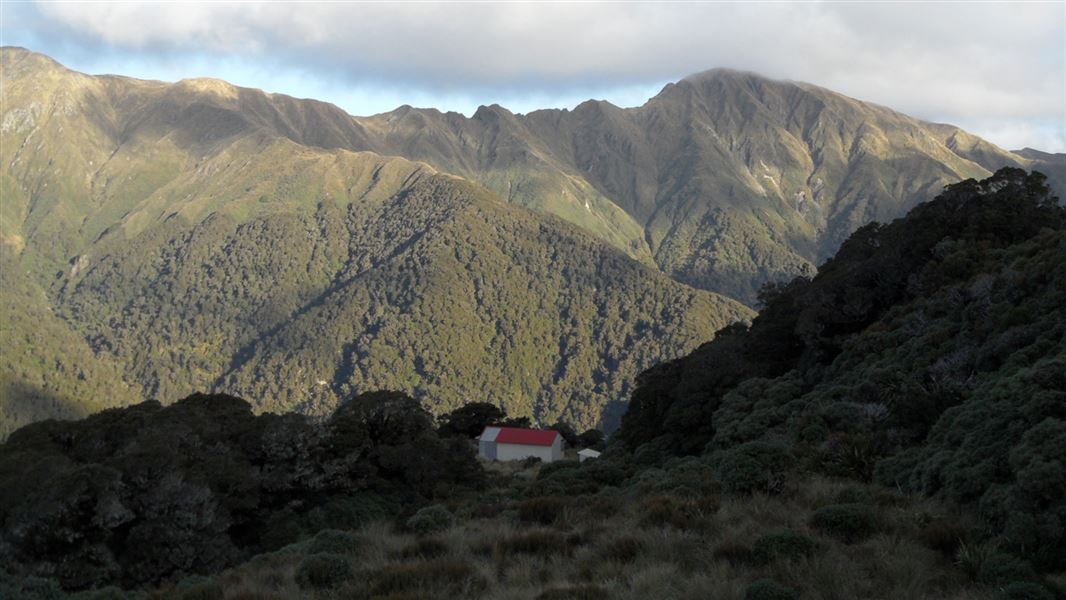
(722, 73)
(209, 85)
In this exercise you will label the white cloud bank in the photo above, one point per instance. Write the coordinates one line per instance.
(996, 68)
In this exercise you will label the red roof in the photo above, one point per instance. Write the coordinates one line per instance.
(532, 437)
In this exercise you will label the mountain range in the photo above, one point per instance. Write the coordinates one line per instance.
(163, 238)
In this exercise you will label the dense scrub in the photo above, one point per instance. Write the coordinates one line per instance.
(654, 533)
(140, 494)
(929, 354)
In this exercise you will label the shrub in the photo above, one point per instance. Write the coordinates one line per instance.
(334, 541)
(544, 510)
(846, 522)
(430, 519)
(323, 571)
(28, 588)
(576, 592)
(768, 589)
(970, 557)
(753, 467)
(441, 576)
(1025, 590)
(943, 535)
(1000, 569)
(785, 544)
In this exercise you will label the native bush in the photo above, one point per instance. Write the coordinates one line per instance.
(846, 522)
(1024, 590)
(787, 544)
(140, 493)
(335, 542)
(1001, 568)
(753, 467)
(323, 571)
(431, 519)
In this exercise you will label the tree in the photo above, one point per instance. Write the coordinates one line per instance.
(470, 420)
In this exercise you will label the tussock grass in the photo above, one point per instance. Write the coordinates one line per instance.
(632, 545)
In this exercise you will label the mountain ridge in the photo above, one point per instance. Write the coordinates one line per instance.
(117, 187)
(190, 244)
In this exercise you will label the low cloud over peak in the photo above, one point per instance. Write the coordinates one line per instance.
(1000, 73)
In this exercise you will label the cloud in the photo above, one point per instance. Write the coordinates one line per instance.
(969, 62)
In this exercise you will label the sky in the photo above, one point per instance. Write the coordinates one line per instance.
(997, 69)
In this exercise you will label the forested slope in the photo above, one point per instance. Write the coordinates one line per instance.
(929, 354)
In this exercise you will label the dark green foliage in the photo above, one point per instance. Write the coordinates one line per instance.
(593, 438)
(471, 419)
(753, 467)
(323, 571)
(571, 478)
(574, 592)
(431, 519)
(927, 355)
(134, 495)
(14, 587)
(335, 542)
(566, 431)
(768, 589)
(846, 522)
(1024, 590)
(1000, 569)
(944, 536)
(687, 477)
(806, 323)
(785, 544)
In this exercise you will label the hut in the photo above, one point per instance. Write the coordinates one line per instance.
(513, 443)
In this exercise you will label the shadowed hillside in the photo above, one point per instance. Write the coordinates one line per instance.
(184, 239)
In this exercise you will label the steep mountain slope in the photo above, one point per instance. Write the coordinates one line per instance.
(724, 180)
(185, 235)
(731, 179)
(928, 354)
(47, 369)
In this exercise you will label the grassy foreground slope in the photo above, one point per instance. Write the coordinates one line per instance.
(927, 355)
